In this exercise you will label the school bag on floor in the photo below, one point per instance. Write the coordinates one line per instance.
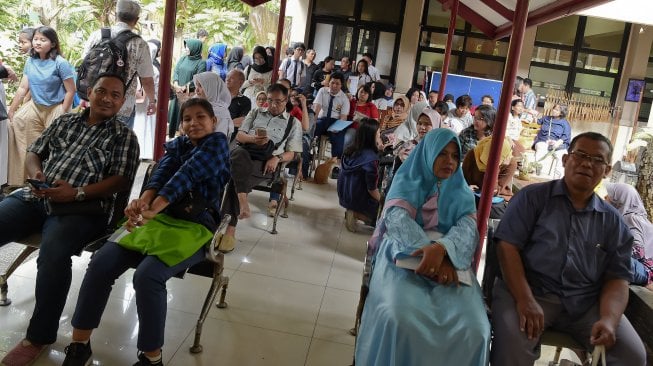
(108, 56)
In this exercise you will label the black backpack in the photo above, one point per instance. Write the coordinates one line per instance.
(108, 56)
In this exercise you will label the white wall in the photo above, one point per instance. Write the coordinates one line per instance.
(299, 11)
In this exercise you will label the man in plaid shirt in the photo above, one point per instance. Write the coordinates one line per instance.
(83, 157)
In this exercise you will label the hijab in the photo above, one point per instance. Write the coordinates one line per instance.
(408, 130)
(235, 58)
(217, 54)
(191, 64)
(627, 201)
(219, 96)
(415, 183)
(265, 67)
(482, 152)
(403, 115)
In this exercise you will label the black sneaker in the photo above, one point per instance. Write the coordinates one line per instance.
(144, 361)
(78, 354)
(335, 172)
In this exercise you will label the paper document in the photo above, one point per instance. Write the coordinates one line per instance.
(339, 125)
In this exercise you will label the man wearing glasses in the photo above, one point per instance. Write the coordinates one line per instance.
(261, 126)
(565, 259)
(293, 68)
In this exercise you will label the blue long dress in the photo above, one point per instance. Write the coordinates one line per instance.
(409, 319)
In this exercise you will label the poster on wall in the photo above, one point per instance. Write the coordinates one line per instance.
(635, 90)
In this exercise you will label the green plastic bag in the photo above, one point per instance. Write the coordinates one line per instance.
(171, 240)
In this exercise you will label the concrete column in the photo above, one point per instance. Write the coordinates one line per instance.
(636, 62)
(299, 10)
(408, 45)
(526, 52)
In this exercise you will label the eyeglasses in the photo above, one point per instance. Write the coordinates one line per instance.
(300, 49)
(479, 118)
(276, 101)
(594, 160)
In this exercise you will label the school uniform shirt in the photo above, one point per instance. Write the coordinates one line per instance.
(340, 103)
(294, 70)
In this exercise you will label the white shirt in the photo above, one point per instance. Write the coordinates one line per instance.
(288, 67)
(374, 72)
(340, 103)
(139, 62)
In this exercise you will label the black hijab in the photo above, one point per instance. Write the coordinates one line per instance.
(265, 67)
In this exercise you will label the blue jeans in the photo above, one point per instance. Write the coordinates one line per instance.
(149, 281)
(337, 139)
(640, 276)
(62, 237)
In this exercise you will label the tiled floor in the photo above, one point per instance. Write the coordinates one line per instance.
(292, 297)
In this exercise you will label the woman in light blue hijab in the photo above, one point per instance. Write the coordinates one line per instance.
(432, 314)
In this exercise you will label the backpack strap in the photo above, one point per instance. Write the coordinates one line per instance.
(286, 133)
(105, 33)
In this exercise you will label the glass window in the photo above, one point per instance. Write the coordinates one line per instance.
(561, 31)
(342, 41)
(439, 40)
(648, 91)
(381, 11)
(644, 111)
(551, 56)
(434, 61)
(545, 79)
(486, 47)
(649, 70)
(338, 8)
(366, 42)
(592, 62)
(614, 66)
(593, 85)
(437, 17)
(603, 34)
(484, 68)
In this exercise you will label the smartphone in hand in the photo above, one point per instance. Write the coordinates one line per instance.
(37, 184)
(261, 132)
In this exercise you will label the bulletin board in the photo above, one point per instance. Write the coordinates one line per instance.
(474, 87)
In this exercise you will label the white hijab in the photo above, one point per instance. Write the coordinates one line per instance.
(219, 96)
(408, 130)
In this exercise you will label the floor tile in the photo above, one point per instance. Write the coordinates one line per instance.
(271, 303)
(306, 264)
(337, 315)
(323, 353)
(228, 343)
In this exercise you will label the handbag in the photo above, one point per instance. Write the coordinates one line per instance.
(191, 207)
(264, 152)
(89, 207)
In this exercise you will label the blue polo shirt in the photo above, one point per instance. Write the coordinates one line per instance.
(565, 251)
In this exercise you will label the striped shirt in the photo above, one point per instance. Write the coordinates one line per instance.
(80, 154)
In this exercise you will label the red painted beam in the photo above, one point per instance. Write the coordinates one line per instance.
(278, 51)
(167, 42)
(499, 8)
(499, 129)
(471, 16)
(447, 50)
(550, 12)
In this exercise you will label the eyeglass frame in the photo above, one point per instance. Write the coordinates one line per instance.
(276, 102)
(592, 159)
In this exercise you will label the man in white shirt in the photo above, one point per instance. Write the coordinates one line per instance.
(294, 68)
(332, 104)
(139, 62)
(373, 71)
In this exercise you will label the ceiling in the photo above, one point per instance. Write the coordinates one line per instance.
(494, 17)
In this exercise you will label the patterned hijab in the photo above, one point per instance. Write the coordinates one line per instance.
(627, 201)
(415, 182)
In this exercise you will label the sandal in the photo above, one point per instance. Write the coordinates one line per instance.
(272, 210)
(227, 243)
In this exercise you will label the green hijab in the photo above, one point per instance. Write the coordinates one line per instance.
(191, 64)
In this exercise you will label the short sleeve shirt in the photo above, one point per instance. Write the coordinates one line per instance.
(276, 127)
(565, 251)
(239, 107)
(341, 103)
(80, 154)
(46, 79)
(294, 70)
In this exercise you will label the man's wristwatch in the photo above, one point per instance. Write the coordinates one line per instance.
(280, 157)
(81, 195)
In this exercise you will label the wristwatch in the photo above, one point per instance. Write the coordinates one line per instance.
(280, 156)
(81, 195)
